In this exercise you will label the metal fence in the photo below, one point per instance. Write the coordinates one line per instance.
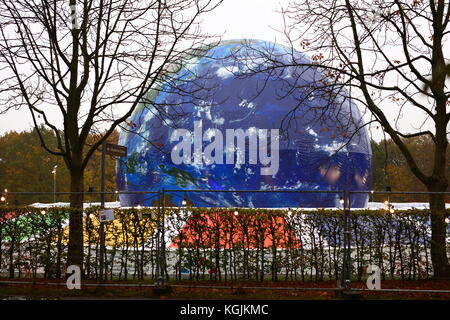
(184, 242)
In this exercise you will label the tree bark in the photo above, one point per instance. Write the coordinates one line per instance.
(438, 182)
(438, 234)
(75, 247)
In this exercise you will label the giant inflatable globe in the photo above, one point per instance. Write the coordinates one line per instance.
(224, 119)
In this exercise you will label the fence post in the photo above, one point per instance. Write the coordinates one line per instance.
(162, 240)
(158, 236)
(102, 205)
(346, 282)
(160, 289)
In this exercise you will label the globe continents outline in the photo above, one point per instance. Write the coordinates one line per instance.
(223, 88)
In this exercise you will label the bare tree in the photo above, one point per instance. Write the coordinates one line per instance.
(82, 67)
(391, 54)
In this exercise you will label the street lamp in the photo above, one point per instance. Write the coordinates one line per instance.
(3, 197)
(54, 182)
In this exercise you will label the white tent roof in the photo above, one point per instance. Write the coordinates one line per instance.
(371, 205)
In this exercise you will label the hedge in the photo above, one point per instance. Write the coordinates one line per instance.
(219, 244)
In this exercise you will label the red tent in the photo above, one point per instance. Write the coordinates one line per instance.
(4, 216)
(228, 230)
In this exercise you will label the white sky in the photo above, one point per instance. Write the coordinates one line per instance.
(234, 19)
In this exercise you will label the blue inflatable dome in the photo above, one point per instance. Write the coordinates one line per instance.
(223, 118)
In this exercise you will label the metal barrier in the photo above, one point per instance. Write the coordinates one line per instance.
(160, 245)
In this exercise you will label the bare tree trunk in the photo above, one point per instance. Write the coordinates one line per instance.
(11, 256)
(75, 247)
(438, 182)
(59, 247)
(438, 234)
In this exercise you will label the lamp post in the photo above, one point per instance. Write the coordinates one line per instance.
(54, 182)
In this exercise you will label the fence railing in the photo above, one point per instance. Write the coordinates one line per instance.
(185, 242)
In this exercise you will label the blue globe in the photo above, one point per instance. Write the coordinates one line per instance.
(227, 118)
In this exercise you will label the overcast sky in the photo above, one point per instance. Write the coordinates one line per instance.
(235, 19)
